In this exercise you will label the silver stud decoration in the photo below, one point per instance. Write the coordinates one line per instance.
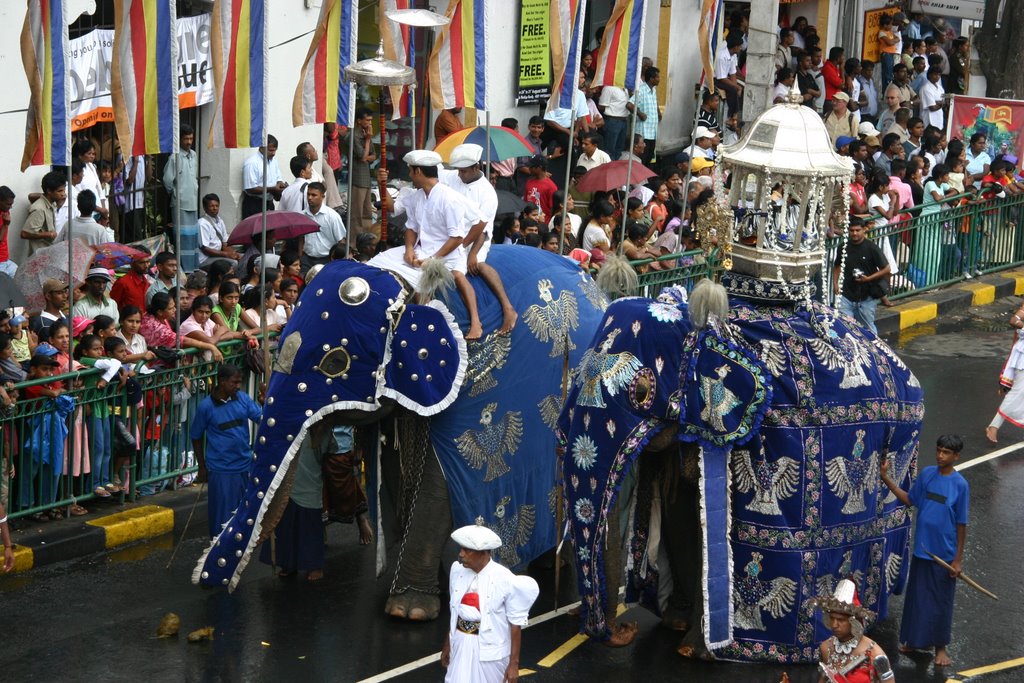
(271, 422)
(403, 343)
(289, 437)
(423, 353)
(238, 553)
(354, 291)
(270, 401)
(334, 397)
(344, 341)
(329, 381)
(413, 327)
(259, 494)
(429, 377)
(302, 387)
(443, 363)
(224, 582)
(249, 522)
(221, 562)
(263, 439)
(273, 468)
(430, 328)
(325, 315)
(326, 347)
(205, 575)
(238, 537)
(345, 376)
(309, 413)
(415, 377)
(319, 292)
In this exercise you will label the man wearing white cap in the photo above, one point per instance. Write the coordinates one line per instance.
(468, 180)
(489, 608)
(96, 302)
(703, 144)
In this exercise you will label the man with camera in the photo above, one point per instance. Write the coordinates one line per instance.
(865, 271)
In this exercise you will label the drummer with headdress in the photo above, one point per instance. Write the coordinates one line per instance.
(848, 656)
(489, 607)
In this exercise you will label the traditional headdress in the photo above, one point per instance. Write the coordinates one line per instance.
(476, 537)
(845, 601)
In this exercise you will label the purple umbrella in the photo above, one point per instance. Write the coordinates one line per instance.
(282, 225)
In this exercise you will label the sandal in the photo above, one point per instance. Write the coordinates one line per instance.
(56, 514)
(101, 492)
(113, 488)
(78, 511)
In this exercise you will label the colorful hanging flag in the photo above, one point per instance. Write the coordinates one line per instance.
(239, 51)
(458, 62)
(44, 54)
(618, 60)
(566, 44)
(323, 94)
(709, 34)
(144, 83)
(398, 47)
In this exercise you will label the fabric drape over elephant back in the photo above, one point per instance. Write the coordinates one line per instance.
(807, 505)
(496, 444)
(624, 392)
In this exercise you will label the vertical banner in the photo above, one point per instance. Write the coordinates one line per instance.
(398, 47)
(709, 35)
(1002, 121)
(195, 74)
(44, 55)
(239, 50)
(534, 84)
(619, 57)
(566, 43)
(458, 62)
(143, 79)
(323, 95)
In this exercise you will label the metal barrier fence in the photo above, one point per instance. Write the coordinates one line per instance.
(53, 458)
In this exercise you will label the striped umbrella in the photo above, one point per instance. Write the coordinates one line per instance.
(505, 143)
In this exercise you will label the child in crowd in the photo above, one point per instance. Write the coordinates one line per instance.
(131, 321)
(941, 496)
(42, 454)
(251, 315)
(104, 326)
(228, 312)
(23, 340)
(289, 295)
(89, 352)
(883, 204)
(290, 266)
(200, 325)
(124, 441)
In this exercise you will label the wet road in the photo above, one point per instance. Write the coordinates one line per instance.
(96, 619)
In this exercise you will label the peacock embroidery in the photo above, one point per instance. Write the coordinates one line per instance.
(769, 481)
(753, 595)
(491, 444)
(854, 476)
(554, 320)
(718, 400)
(486, 356)
(599, 366)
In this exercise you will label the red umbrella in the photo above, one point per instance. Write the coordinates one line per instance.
(283, 225)
(613, 175)
(113, 255)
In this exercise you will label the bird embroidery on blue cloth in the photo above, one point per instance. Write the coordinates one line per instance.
(550, 408)
(892, 570)
(514, 528)
(752, 595)
(770, 481)
(849, 355)
(854, 476)
(555, 320)
(493, 442)
(486, 356)
(718, 401)
(614, 370)
(827, 584)
(594, 294)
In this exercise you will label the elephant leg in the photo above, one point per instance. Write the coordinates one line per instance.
(681, 539)
(415, 592)
(687, 528)
(614, 563)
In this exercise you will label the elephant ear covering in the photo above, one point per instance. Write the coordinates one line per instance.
(624, 391)
(332, 357)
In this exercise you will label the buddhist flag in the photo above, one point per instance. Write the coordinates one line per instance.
(44, 54)
(238, 48)
(708, 34)
(619, 57)
(323, 95)
(398, 47)
(566, 44)
(458, 62)
(144, 83)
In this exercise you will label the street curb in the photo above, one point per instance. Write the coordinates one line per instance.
(72, 539)
(926, 307)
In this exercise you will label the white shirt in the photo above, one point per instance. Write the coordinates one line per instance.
(134, 183)
(436, 218)
(698, 152)
(332, 231)
(505, 601)
(293, 198)
(482, 198)
(252, 172)
(562, 116)
(212, 235)
(614, 100)
(593, 236)
(600, 157)
(870, 94)
(780, 90)
(85, 229)
(931, 94)
(725, 62)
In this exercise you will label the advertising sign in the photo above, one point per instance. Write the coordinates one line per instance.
(961, 9)
(534, 80)
(869, 47)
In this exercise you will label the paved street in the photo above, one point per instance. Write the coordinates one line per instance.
(96, 619)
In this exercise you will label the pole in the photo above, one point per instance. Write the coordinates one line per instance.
(487, 129)
(71, 298)
(568, 173)
(384, 165)
(689, 175)
(177, 245)
(263, 267)
(629, 176)
(351, 162)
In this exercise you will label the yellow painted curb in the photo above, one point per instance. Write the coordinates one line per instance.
(146, 521)
(24, 559)
(981, 293)
(916, 312)
(1018, 281)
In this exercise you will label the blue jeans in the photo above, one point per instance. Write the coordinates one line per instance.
(614, 134)
(862, 311)
(99, 449)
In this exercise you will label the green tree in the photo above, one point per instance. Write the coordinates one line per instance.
(999, 47)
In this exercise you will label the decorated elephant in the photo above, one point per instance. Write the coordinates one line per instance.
(473, 421)
(726, 469)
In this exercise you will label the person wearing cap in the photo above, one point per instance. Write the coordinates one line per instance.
(703, 146)
(840, 121)
(848, 655)
(702, 166)
(489, 608)
(55, 294)
(130, 289)
(468, 180)
(96, 302)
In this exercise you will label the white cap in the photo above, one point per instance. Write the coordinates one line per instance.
(422, 157)
(476, 537)
(703, 132)
(272, 261)
(867, 128)
(465, 155)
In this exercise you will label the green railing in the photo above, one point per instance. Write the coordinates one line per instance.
(43, 474)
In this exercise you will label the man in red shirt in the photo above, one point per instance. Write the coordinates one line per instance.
(540, 189)
(832, 72)
(6, 202)
(130, 289)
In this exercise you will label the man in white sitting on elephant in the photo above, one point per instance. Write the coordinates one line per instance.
(489, 608)
(468, 180)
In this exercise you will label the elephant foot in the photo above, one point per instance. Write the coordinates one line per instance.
(414, 606)
(675, 620)
(623, 634)
(695, 651)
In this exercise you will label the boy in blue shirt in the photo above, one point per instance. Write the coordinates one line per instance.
(941, 496)
(225, 458)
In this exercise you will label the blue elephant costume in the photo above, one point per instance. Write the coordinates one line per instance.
(792, 406)
(357, 341)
